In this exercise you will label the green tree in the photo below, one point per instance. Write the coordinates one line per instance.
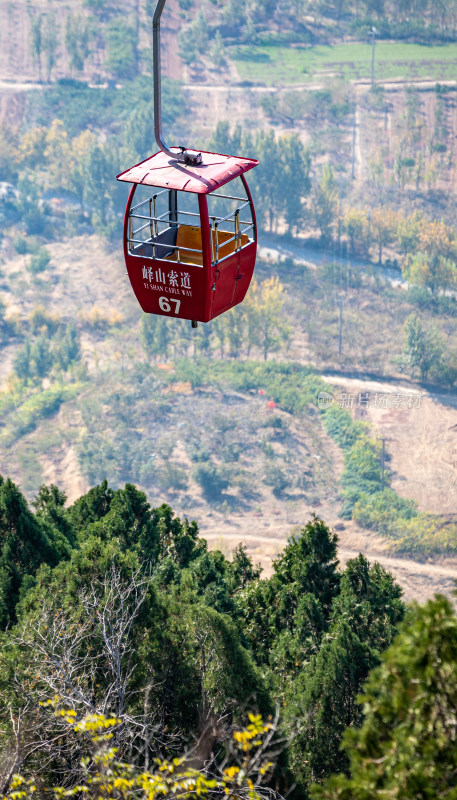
(422, 347)
(99, 195)
(365, 617)
(217, 51)
(296, 600)
(39, 260)
(235, 330)
(77, 40)
(212, 480)
(41, 357)
(121, 49)
(49, 47)
(355, 226)
(267, 182)
(22, 365)
(193, 38)
(324, 202)
(295, 179)
(327, 703)
(383, 227)
(406, 746)
(148, 332)
(273, 330)
(138, 131)
(24, 546)
(27, 204)
(68, 349)
(36, 39)
(435, 272)
(138, 634)
(50, 511)
(244, 774)
(408, 231)
(435, 264)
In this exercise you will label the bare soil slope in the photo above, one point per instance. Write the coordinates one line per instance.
(420, 441)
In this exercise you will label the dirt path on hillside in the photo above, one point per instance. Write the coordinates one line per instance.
(420, 440)
(419, 581)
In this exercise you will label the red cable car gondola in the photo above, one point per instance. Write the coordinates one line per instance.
(185, 255)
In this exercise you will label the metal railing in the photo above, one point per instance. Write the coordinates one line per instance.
(153, 220)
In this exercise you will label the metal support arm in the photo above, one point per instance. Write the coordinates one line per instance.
(184, 156)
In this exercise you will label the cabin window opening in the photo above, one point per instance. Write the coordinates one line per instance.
(231, 220)
(162, 228)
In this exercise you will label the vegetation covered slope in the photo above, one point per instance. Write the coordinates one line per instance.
(85, 389)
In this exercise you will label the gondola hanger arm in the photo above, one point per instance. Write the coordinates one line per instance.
(184, 156)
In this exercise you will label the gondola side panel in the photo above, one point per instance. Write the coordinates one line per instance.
(245, 271)
(167, 288)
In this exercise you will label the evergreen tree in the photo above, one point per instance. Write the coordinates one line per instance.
(68, 349)
(24, 546)
(325, 201)
(41, 357)
(22, 366)
(298, 596)
(406, 747)
(323, 700)
(365, 617)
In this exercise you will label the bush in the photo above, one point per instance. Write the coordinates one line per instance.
(39, 261)
(276, 478)
(171, 477)
(425, 535)
(37, 407)
(341, 427)
(99, 318)
(20, 245)
(40, 319)
(419, 296)
(382, 512)
(211, 479)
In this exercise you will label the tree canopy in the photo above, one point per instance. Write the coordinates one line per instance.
(118, 608)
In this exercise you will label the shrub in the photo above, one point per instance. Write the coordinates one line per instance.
(276, 478)
(171, 477)
(426, 535)
(211, 479)
(20, 245)
(37, 407)
(39, 261)
(382, 511)
(341, 427)
(99, 318)
(40, 318)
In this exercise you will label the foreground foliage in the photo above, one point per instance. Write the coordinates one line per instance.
(126, 613)
(245, 769)
(407, 746)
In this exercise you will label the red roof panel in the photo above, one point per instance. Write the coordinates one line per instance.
(161, 170)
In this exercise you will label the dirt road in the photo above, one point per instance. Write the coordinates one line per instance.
(418, 581)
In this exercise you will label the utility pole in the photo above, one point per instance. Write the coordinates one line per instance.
(383, 456)
(339, 218)
(340, 335)
(353, 148)
(372, 34)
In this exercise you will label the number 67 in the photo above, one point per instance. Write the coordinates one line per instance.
(164, 304)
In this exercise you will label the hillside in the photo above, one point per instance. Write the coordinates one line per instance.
(92, 390)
